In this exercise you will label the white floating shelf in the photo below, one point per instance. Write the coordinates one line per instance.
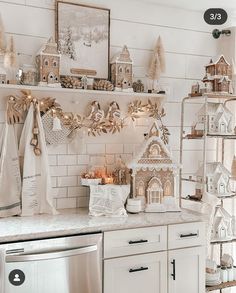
(79, 91)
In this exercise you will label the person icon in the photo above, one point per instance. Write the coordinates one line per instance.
(17, 278)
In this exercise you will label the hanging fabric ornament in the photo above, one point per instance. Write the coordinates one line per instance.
(56, 124)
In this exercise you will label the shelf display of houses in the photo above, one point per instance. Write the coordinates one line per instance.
(217, 180)
(48, 63)
(219, 120)
(154, 174)
(122, 71)
(222, 225)
(217, 77)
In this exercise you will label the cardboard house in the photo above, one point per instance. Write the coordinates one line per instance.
(154, 173)
(122, 71)
(222, 225)
(219, 120)
(48, 63)
(217, 77)
(217, 180)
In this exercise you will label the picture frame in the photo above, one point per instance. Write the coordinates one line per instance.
(83, 37)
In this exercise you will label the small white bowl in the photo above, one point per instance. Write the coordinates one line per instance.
(133, 209)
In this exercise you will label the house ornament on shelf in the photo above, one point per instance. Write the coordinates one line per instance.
(217, 180)
(154, 174)
(217, 77)
(48, 62)
(219, 120)
(222, 225)
(122, 71)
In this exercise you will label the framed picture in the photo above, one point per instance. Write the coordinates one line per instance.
(83, 36)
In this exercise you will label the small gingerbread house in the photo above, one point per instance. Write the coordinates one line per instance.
(217, 180)
(217, 77)
(222, 225)
(121, 71)
(219, 120)
(153, 170)
(48, 62)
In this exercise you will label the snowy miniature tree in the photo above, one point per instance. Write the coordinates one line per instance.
(157, 64)
(68, 46)
(2, 37)
(10, 60)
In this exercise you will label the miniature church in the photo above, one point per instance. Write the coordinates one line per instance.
(218, 73)
(222, 225)
(154, 174)
(219, 120)
(122, 72)
(48, 62)
(217, 180)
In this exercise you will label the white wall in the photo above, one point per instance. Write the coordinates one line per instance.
(189, 46)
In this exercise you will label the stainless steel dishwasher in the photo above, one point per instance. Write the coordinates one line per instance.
(58, 265)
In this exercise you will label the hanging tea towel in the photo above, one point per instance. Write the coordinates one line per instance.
(10, 178)
(36, 181)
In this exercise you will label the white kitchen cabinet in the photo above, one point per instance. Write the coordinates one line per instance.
(138, 273)
(186, 271)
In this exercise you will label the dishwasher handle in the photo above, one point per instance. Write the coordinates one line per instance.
(50, 255)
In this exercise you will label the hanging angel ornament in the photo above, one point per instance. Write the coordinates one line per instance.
(114, 112)
(157, 64)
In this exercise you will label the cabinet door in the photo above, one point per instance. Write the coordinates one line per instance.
(186, 270)
(138, 274)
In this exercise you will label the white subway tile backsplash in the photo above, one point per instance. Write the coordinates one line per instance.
(67, 181)
(59, 192)
(82, 202)
(58, 170)
(97, 160)
(114, 148)
(57, 149)
(83, 159)
(110, 159)
(66, 160)
(52, 160)
(77, 170)
(77, 191)
(129, 148)
(54, 181)
(66, 203)
(96, 148)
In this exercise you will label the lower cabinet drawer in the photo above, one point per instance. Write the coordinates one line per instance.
(136, 274)
(186, 235)
(135, 241)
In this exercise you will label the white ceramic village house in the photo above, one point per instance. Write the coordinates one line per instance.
(217, 180)
(154, 174)
(222, 225)
(122, 71)
(217, 78)
(219, 120)
(48, 62)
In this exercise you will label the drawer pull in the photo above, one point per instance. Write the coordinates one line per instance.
(138, 241)
(138, 270)
(173, 264)
(188, 235)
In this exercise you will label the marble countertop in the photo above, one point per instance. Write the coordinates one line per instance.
(75, 221)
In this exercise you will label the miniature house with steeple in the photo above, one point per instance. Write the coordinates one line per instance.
(48, 62)
(121, 71)
(154, 173)
(217, 77)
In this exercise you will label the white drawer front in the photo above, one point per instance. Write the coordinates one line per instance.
(134, 241)
(136, 274)
(186, 235)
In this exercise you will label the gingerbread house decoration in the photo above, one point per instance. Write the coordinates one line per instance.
(121, 71)
(217, 180)
(217, 77)
(219, 120)
(154, 173)
(48, 62)
(222, 225)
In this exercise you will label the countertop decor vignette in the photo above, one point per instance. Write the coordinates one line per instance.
(67, 161)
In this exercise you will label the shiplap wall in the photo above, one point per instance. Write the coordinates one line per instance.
(189, 46)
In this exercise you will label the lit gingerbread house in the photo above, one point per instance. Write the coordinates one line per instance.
(48, 63)
(121, 71)
(219, 120)
(218, 74)
(217, 180)
(154, 174)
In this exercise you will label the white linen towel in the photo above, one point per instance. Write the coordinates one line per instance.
(36, 181)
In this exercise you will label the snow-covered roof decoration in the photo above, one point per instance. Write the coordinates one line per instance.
(217, 59)
(213, 169)
(122, 57)
(221, 212)
(50, 48)
(214, 108)
(148, 158)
